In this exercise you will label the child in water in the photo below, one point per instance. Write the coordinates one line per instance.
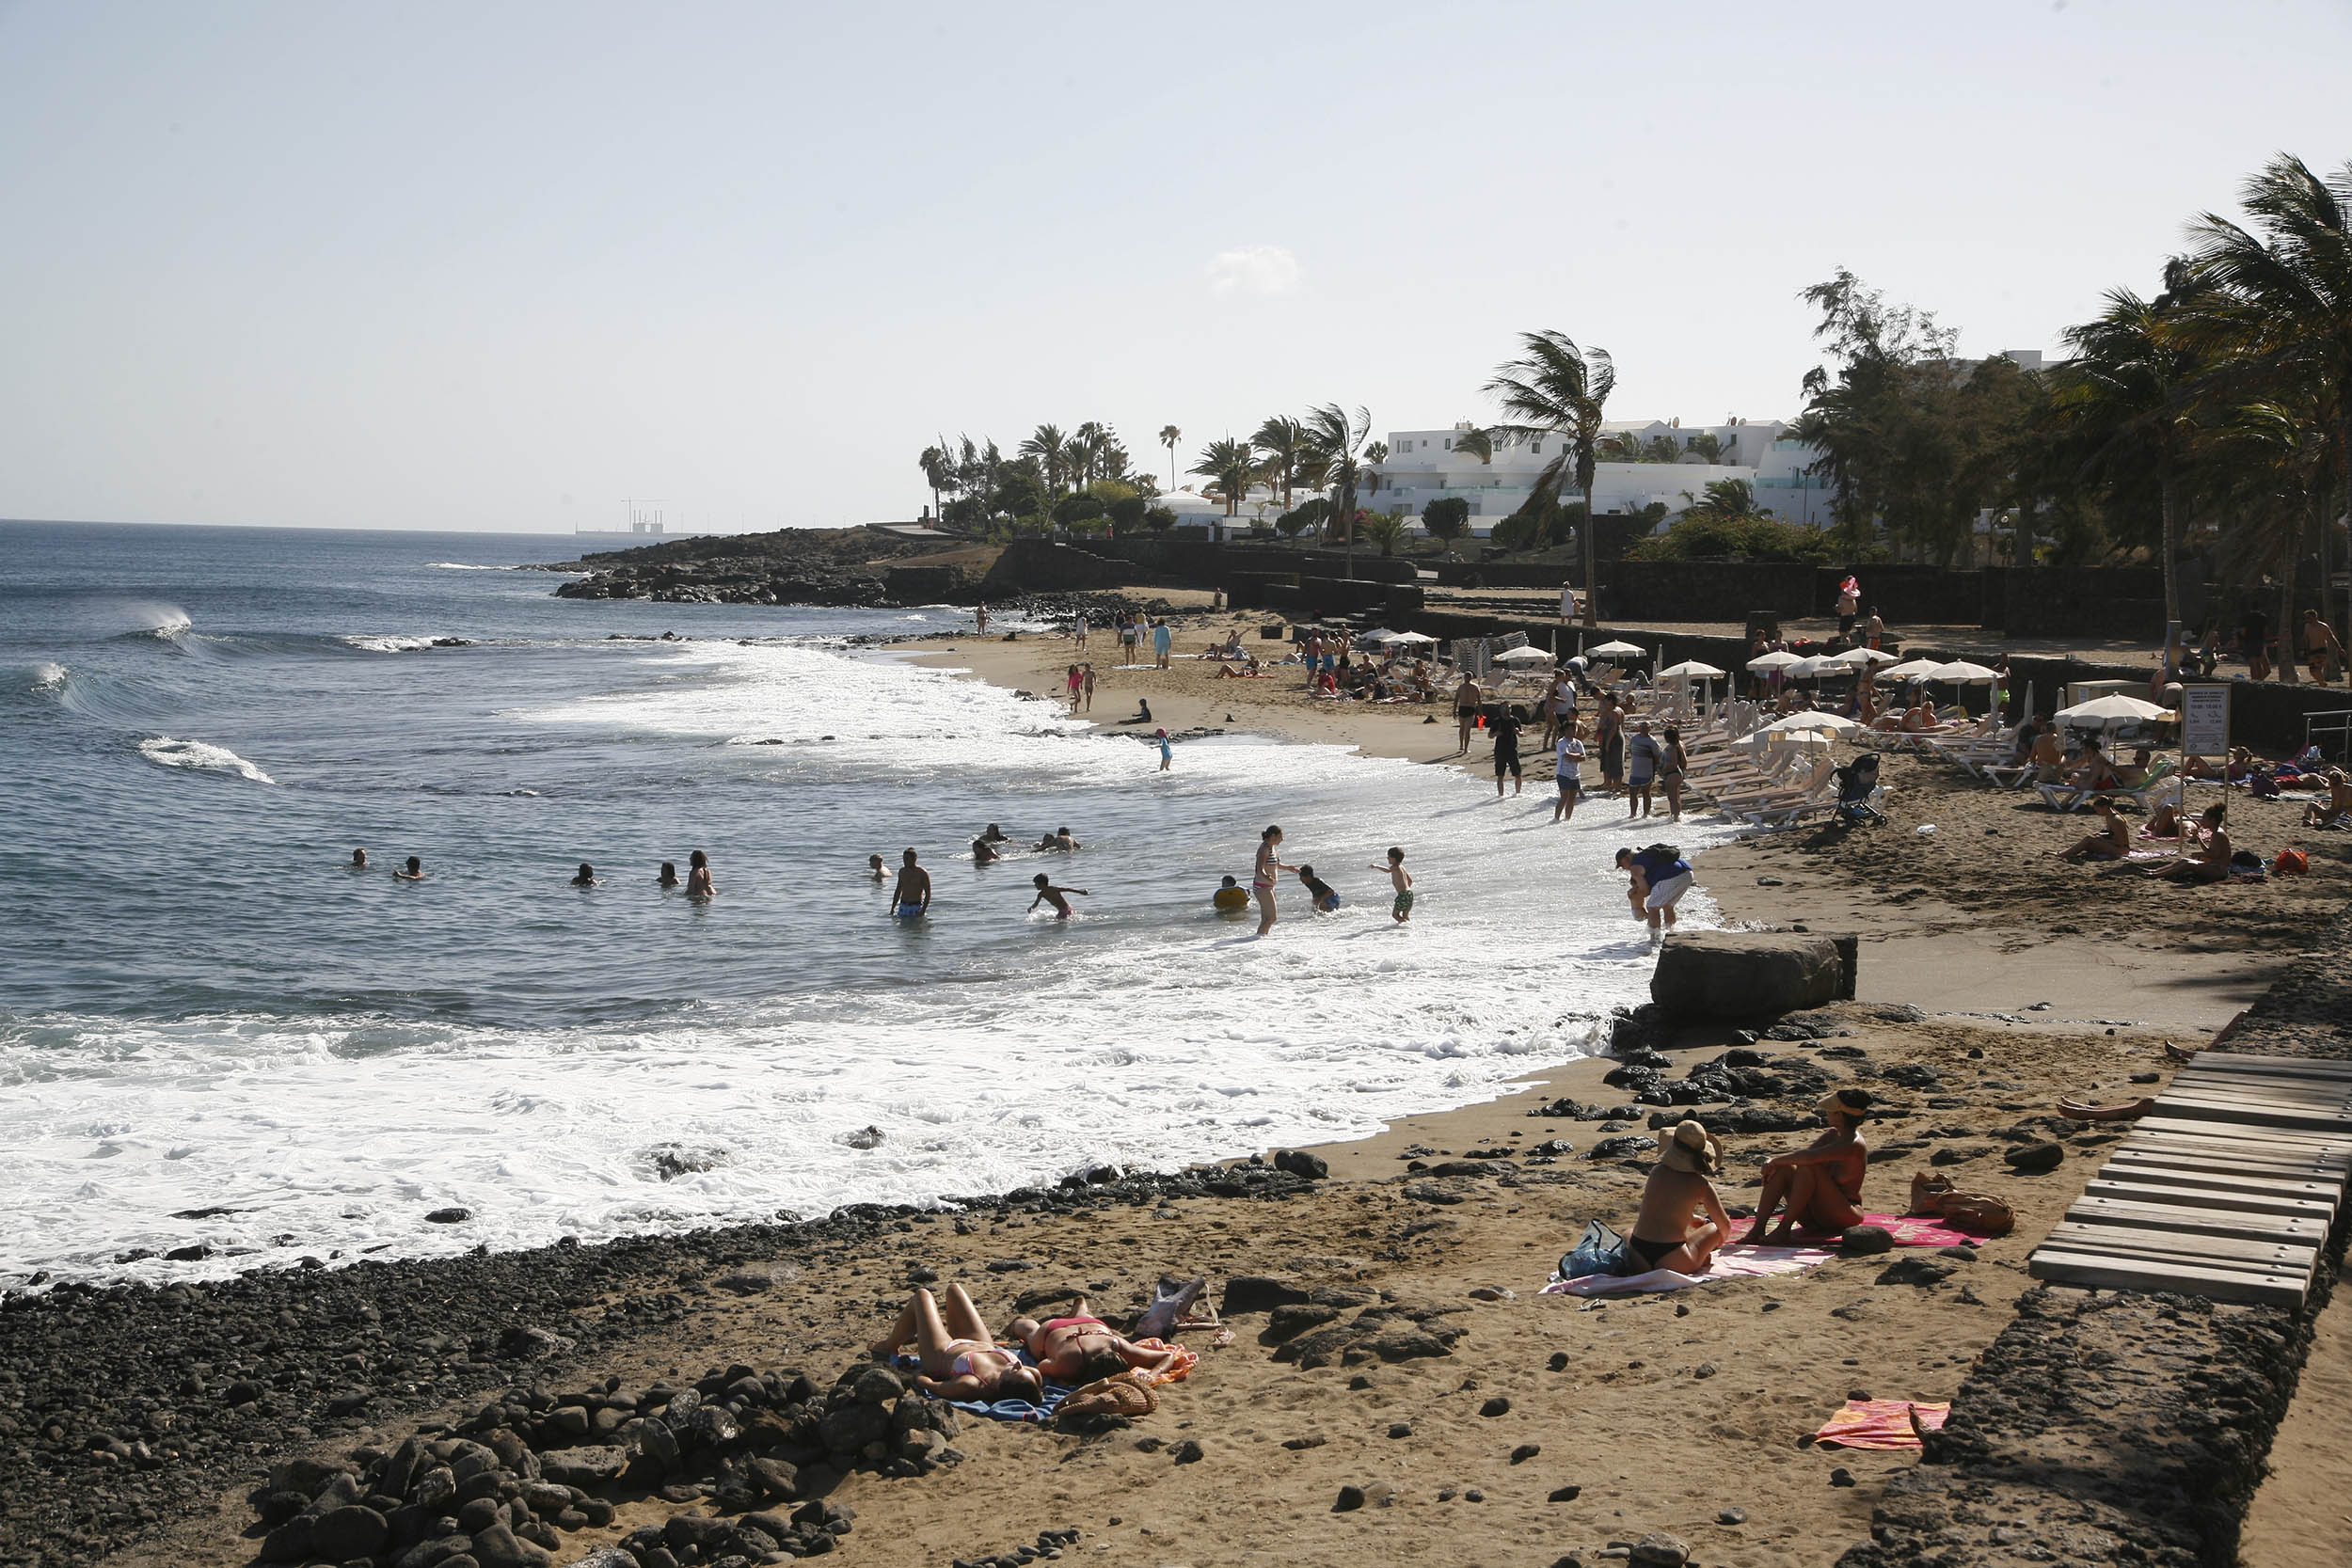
(1166, 757)
(1048, 894)
(1319, 893)
(1401, 880)
(1230, 898)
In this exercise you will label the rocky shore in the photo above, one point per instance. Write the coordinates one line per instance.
(810, 566)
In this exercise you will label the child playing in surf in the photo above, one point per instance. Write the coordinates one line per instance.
(1319, 893)
(1057, 896)
(1401, 880)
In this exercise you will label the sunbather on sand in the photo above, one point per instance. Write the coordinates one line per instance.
(1682, 1222)
(2166, 822)
(2112, 842)
(1079, 1347)
(2048, 757)
(2321, 813)
(2128, 1110)
(2212, 863)
(959, 1359)
(1822, 1184)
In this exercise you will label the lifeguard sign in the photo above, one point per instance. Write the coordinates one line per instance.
(2205, 719)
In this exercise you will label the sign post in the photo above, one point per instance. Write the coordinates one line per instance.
(2204, 724)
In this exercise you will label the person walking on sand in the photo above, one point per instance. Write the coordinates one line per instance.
(2319, 641)
(1504, 727)
(1467, 699)
(913, 896)
(1162, 640)
(1849, 604)
(1878, 628)
(698, 884)
(1071, 682)
(1673, 763)
(1261, 879)
(1057, 896)
(1642, 756)
(1567, 771)
(1401, 880)
(1609, 734)
(1087, 688)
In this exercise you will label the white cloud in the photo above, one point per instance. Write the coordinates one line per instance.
(1254, 269)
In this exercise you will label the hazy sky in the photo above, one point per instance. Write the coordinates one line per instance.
(499, 266)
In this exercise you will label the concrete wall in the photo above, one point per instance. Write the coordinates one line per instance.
(1032, 565)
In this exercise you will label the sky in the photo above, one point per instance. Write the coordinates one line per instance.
(505, 267)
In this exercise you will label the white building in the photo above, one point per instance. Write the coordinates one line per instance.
(1425, 465)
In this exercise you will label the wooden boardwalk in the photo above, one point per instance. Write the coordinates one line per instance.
(2226, 1190)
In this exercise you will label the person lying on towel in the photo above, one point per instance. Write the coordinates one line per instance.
(1682, 1222)
(960, 1358)
(1820, 1184)
(1079, 1347)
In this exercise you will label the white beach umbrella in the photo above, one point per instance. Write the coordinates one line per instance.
(1911, 669)
(1779, 658)
(1812, 668)
(1618, 650)
(1523, 655)
(1690, 669)
(1410, 637)
(1378, 634)
(1963, 671)
(1833, 724)
(1864, 658)
(2110, 710)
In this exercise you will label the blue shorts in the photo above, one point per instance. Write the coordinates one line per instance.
(908, 911)
(1329, 904)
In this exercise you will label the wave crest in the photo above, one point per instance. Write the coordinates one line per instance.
(200, 754)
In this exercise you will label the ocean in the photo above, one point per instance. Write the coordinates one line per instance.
(218, 1040)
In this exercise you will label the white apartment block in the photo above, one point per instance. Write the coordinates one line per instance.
(1429, 465)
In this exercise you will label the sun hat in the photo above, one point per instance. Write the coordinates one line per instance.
(1853, 1104)
(1690, 1147)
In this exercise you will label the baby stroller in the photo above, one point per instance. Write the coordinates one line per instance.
(1857, 785)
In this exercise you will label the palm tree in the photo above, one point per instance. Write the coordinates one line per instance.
(1334, 443)
(939, 472)
(2126, 389)
(2273, 474)
(1234, 465)
(1725, 501)
(1088, 445)
(1478, 443)
(1047, 445)
(2286, 298)
(1169, 436)
(1555, 387)
(1283, 440)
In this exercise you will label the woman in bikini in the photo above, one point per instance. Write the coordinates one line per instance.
(1079, 1348)
(1261, 879)
(960, 1358)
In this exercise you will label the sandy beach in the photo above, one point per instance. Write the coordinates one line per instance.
(1477, 1421)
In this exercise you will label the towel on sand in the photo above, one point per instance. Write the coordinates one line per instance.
(1732, 1262)
(1882, 1423)
(1907, 1229)
(1041, 1412)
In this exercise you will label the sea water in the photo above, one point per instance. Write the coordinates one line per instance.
(215, 1036)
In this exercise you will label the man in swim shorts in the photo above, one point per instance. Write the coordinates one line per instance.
(913, 896)
(1319, 893)
(1505, 726)
(1057, 896)
(1660, 877)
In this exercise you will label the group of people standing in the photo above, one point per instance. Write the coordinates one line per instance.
(1631, 759)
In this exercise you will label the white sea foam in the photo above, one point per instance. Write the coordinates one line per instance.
(198, 753)
(1126, 1040)
(48, 678)
(465, 567)
(387, 644)
(156, 620)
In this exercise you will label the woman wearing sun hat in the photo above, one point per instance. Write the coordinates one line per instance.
(1822, 1184)
(1682, 1222)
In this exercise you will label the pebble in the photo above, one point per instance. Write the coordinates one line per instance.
(1350, 1499)
(452, 1215)
(1841, 1477)
(1732, 1516)
(1563, 1494)
(1185, 1452)
(1400, 1428)
(1704, 1369)
(1559, 1362)
(1495, 1406)
(1525, 1451)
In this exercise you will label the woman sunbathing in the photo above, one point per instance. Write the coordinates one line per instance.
(2112, 842)
(959, 1359)
(1822, 1184)
(1079, 1347)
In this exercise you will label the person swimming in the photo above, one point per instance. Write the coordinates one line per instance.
(1048, 894)
(913, 898)
(1058, 839)
(984, 852)
(875, 869)
(668, 874)
(587, 877)
(413, 872)
(994, 836)
(698, 883)
(1319, 893)
(359, 860)
(1230, 898)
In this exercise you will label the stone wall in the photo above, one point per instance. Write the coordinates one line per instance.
(927, 584)
(1033, 566)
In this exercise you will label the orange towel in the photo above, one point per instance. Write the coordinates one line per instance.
(1882, 1423)
(1186, 1361)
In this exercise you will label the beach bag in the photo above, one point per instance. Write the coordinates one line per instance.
(1123, 1395)
(1600, 1251)
(2291, 862)
(1978, 1213)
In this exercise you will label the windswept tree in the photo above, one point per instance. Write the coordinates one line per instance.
(1335, 443)
(939, 472)
(1169, 436)
(1283, 440)
(1048, 446)
(1087, 446)
(1558, 389)
(1234, 465)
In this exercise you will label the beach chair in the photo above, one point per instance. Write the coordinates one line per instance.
(1758, 805)
(2158, 781)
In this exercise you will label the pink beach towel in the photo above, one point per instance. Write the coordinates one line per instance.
(1907, 1229)
(1732, 1262)
(1883, 1424)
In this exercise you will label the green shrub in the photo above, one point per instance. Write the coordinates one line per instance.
(1447, 518)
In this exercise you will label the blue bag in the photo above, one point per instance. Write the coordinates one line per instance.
(1600, 1251)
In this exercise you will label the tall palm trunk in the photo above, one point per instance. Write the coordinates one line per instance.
(2020, 538)
(2289, 648)
(1591, 587)
(2170, 488)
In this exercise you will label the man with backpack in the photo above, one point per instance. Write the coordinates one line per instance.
(1659, 879)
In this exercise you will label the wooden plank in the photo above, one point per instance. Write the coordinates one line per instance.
(2216, 1163)
(2271, 1117)
(2264, 1072)
(2247, 1150)
(2110, 1238)
(2291, 1067)
(2285, 1274)
(2160, 1125)
(2263, 1089)
(2235, 1199)
(2093, 1272)
(2199, 1222)
(2253, 1141)
(2289, 1183)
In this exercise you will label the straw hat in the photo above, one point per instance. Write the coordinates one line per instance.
(1692, 1147)
(1844, 1104)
